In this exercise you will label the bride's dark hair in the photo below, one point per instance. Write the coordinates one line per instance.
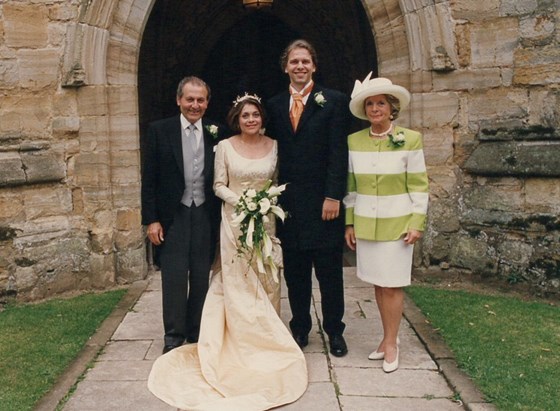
(235, 111)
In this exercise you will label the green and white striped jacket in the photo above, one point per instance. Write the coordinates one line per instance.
(387, 186)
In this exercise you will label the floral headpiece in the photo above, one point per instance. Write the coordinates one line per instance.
(239, 99)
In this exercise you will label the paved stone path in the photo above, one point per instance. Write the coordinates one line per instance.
(116, 379)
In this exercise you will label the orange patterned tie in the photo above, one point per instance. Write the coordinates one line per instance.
(297, 106)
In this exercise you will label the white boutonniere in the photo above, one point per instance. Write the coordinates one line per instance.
(213, 130)
(319, 99)
(397, 140)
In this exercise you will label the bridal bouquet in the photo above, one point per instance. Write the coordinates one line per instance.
(253, 210)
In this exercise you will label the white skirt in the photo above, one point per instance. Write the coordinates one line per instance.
(384, 263)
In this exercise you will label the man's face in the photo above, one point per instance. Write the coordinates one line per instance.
(300, 67)
(194, 102)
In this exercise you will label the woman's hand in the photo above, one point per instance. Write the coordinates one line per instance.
(412, 236)
(350, 237)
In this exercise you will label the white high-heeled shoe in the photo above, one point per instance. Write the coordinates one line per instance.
(391, 366)
(375, 355)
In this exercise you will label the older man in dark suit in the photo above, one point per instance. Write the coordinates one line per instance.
(311, 124)
(180, 209)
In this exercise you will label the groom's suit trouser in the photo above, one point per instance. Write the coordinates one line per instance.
(185, 269)
(328, 270)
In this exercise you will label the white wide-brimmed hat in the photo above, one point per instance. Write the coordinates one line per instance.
(373, 87)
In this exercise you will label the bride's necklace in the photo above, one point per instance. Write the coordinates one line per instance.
(383, 134)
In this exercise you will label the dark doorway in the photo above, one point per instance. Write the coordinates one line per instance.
(236, 50)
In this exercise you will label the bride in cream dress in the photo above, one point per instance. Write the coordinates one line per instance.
(245, 359)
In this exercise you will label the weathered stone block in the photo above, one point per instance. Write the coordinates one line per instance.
(65, 126)
(127, 240)
(438, 145)
(474, 254)
(132, 265)
(20, 113)
(542, 74)
(94, 134)
(25, 278)
(38, 68)
(128, 219)
(468, 79)
(63, 12)
(118, 99)
(432, 110)
(47, 202)
(11, 170)
(515, 159)
(515, 253)
(11, 206)
(444, 217)
(25, 25)
(501, 194)
(126, 195)
(517, 8)
(121, 130)
(474, 10)
(493, 43)
(43, 167)
(44, 229)
(92, 169)
(9, 75)
(510, 129)
(537, 30)
(542, 195)
(497, 104)
(92, 101)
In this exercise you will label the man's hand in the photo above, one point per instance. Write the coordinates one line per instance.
(155, 233)
(331, 208)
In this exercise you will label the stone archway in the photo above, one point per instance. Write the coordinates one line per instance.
(102, 62)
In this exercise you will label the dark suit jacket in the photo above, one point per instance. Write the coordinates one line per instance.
(163, 181)
(314, 162)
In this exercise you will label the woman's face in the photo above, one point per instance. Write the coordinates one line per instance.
(250, 120)
(378, 110)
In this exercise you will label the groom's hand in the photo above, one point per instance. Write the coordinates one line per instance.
(331, 208)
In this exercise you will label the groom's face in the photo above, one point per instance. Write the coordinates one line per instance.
(300, 67)
(193, 102)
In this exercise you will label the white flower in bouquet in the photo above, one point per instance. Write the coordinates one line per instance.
(253, 210)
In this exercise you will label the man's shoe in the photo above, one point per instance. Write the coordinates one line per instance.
(301, 340)
(338, 346)
(169, 347)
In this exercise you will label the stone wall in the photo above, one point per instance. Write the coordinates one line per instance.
(485, 83)
(491, 126)
(62, 225)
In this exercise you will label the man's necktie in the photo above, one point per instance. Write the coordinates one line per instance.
(192, 137)
(297, 105)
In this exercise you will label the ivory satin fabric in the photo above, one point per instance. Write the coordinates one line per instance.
(246, 359)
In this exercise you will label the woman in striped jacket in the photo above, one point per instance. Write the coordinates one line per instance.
(386, 203)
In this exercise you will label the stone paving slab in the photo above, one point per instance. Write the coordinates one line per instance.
(119, 374)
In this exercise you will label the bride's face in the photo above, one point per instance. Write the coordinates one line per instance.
(250, 120)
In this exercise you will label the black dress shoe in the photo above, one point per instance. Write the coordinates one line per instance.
(338, 346)
(169, 347)
(301, 340)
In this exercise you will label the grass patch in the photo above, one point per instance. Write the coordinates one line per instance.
(510, 347)
(38, 341)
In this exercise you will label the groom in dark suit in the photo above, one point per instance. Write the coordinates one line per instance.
(180, 210)
(311, 124)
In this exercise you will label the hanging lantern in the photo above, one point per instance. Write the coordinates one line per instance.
(256, 4)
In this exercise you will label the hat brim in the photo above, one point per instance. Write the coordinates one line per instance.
(357, 102)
